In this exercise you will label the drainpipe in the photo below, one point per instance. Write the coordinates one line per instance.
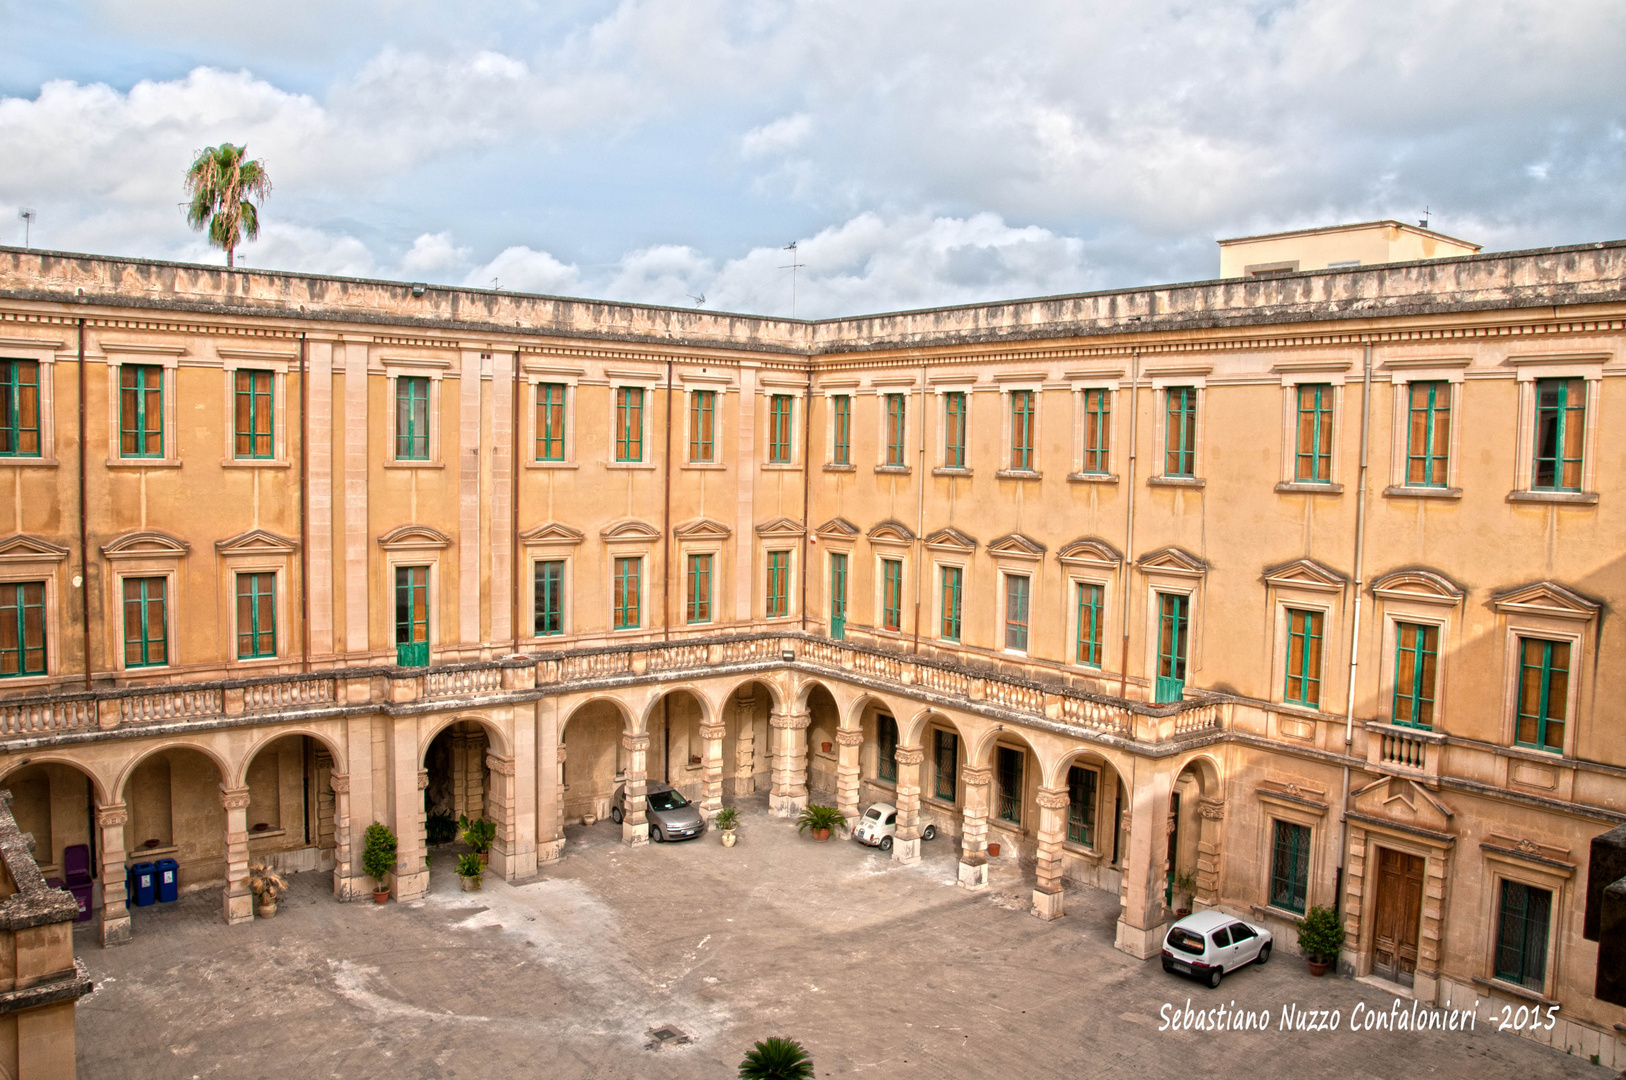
(1355, 627)
(513, 513)
(304, 503)
(1129, 517)
(807, 483)
(920, 508)
(666, 517)
(84, 538)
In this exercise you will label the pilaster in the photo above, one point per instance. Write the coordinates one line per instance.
(1054, 804)
(848, 743)
(110, 821)
(788, 795)
(634, 819)
(239, 899)
(711, 736)
(906, 840)
(346, 885)
(1143, 914)
(977, 781)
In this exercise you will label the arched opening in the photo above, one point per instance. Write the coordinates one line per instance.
(677, 753)
(593, 762)
(459, 777)
(1094, 840)
(1191, 871)
(747, 741)
(943, 760)
(877, 755)
(174, 811)
(1013, 808)
(823, 756)
(292, 810)
(55, 802)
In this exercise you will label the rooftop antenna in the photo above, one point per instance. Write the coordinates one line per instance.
(495, 285)
(699, 301)
(1423, 221)
(27, 217)
(792, 266)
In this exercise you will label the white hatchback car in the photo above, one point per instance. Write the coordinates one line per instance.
(880, 824)
(1208, 944)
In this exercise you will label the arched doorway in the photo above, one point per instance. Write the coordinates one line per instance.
(292, 811)
(178, 806)
(55, 803)
(458, 775)
(677, 752)
(748, 741)
(1196, 806)
(593, 760)
(823, 755)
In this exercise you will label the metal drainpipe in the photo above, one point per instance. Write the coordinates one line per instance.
(666, 518)
(1129, 517)
(807, 483)
(84, 536)
(304, 503)
(513, 513)
(920, 508)
(1355, 627)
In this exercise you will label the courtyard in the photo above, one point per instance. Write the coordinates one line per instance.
(669, 960)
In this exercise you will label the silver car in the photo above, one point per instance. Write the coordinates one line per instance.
(671, 816)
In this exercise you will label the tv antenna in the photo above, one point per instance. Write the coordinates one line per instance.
(27, 217)
(496, 285)
(1423, 221)
(792, 266)
(699, 301)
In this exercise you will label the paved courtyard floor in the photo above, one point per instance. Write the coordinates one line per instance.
(880, 970)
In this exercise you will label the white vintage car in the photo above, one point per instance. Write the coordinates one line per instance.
(880, 824)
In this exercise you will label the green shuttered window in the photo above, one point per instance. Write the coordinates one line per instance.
(891, 594)
(894, 429)
(1560, 434)
(954, 416)
(628, 592)
(1290, 867)
(1097, 430)
(22, 629)
(1544, 684)
(255, 415)
(19, 408)
(779, 428)
(629, 423)
(1180, 438)
(1314, 458)
(1304, 657)
(842, 419)
(1090, 600)
(550, 597)
(412, 418)
(1521, 935)
(256, 616)
(1416, 666)
(953, 578)
(1428, 434)
(778, 584)
(141, 411)
(702, 425)
(550, 421)
(1022, 413)
(145, 625)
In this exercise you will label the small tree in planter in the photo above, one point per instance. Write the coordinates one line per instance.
(1185, 887)
(479, 834)
(378, 858)
(440, 828)
(727, 820)
(821, 819)
(1320, 938)
(469, 868)
(777, 1059)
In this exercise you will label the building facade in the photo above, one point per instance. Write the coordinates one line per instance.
(1273, 592)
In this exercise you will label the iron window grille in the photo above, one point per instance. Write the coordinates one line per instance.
(1290, 867)
(1081, 806)
(1521, 934)
(886, 738)
(946, 755)
(1010, 785)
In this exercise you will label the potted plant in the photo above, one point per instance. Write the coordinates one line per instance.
(378, 858)
(440, 828)
(727, 820)
(1321, 935)
(479, 835)
(469, 868)
(777, 1059)
(1185, 887)
(268, 887)
(821, 819)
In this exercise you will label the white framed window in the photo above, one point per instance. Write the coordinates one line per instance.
(1096, 429)
(142, 431)
(1312, 426)
(1425, 452)
(1557, 393)
(413, 397)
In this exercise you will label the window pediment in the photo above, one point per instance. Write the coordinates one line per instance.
(894, 532)
(1549, 599)
(1173, 560)
(1306, 574)
(1015, 545)
(551, 532)
(1405, 803)
(1089, 551)
(782, 526)
(702, 529)
(145, 545)
(1421, 586)
(951, 539)
(838, 527)
(631, 530)
(20, 547)
(414, 538)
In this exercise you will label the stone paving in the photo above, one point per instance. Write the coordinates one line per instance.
(670, 960)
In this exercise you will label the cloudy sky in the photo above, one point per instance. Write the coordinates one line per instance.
(919, 153)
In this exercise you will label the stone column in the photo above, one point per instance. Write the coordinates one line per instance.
(745, 749)
(110, 820)
(239, 900)
(788, 796)
(974, 830)
(1054, 804)
(635, 821)
(1140, 922)
(711, 737)
(1211, 828)
(345, 867)
(848, 743)
(906, 840)
(499, 803)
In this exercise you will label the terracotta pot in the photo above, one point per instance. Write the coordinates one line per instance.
(470, 884)
(380, 895)
(485, 858)
(267, 908)
(729, 839)
(1318, 967)
(827, 746)
(1181, 912)
(993, 851)
(821, 835)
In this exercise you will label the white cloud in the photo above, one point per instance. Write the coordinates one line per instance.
(434, 254)
(520, 269)
(776, 137)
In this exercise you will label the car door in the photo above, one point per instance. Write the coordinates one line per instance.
(1244, 945)
(1219, 948)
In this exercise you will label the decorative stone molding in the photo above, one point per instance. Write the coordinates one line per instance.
(112, 815)
(634, 743)
(234, 798)
(845, 737)
(1053, 798)
(561, 754)
(340, 782)
(503, 766)
(1211, 811)
(977, 775)
(909, 755)
(790, 721)
(713, 732)
(423, 779)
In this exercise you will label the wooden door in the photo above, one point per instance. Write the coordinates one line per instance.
(1399, 915)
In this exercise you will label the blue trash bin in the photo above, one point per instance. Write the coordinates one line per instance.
(169, 880)
(144, 884)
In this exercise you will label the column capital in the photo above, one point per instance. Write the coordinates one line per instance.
(234, 798)
(423, 779)
(713, 732)
(339, 782)
(976, 775)
(503, 766)
(790, 720)
(1213, 810)
(1054, 798)
(850, 737)
(112, 815)
(635, 742)
(562, 755)
(909, 755)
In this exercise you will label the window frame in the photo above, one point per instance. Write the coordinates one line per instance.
(890, 572)
(1566, 386)
(839, 430)
(1403, 373)
(537, 564)
(1418, 668)
(956, 422)
(940, 738)
(894, 422)
(1022, 416)
(255, 632)
(624, 410)
(1098, 611)
(545, 414)
(1322, 445)
(1305, 859)
(1299, 628)
(1010, 593)
(1007, 809)
(619, 595)
(1428, 455)
(947, 620)
(1095, 450)
(1543, 719)
(1499, 921)
(702, 425)
(142, 432)
(11, 409)
(254, 398)
(777, 562)
(1531, 372)
(144, 601)
(1089, 840)
(781, 428)
(409, 384)
(13, 591)
(1188, 409)
(886, 760)
(691, 615)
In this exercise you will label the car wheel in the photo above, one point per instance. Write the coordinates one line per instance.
(929, 833)
(1264, 954)
(886, 843)
(655, 836)
(1214, 978)
(615, 814)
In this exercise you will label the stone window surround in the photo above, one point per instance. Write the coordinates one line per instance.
(396, 368)
(1094, 850)
(1163, 579)
(778, 541)
(276, 361)
(627, 549)
(942, 558)
(1575, 628)
(45, 354)
(768, 387)
(1527, 865)
(847, 388)
(1395, 605)
(1008, 384)
(1402, 373)
(549, 549)
(1111, 382)
(1329, 372)
(535, 376)
(1163, 381)
(47, 566)
(1301, 810)
(1009, 564)
(941, 387)
(903, 553)
(1082, 566)
(165, 357)
(710, 543)
(1304, 596)
(408, 552)
(648, 382)
(722, 388)
(928, 765)
(148, 564)
(1529, 371)
(258, 563)
(882, 388)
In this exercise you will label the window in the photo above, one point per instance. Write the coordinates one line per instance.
(22, 629)
(550, 597)
(1173, 626)
(256, 616)
(1180, 441)
(1022, 430)
(1097, 430)
(1290, 867)
(1416, 661)
(1081, 806)
(779, 425)
(255, 414)
(412, 616)
(1089, 625)
(891, 594)
(697, 601)
(1560, 431)
(141, 411)
(1314, 459)
(1010, 784)
(1544, 684)
(842, 419)
(949, 630)
(629, 423)
(550, 421)
(838, 595)
(886, 739)
(702, 425)
(946, 754)
(412, 418)
(628, 591)
(1016, 612)
(1521, 935)
(145, 635)
(894, 429)
(1304, 657)
(19, 408)
(778, 584)
(1428, 434)
(954, 430)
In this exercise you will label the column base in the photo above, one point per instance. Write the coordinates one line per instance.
(550, 851)
(786, 805)
(116, 931)
(1141, 944)
(1048, 905)
(906, 851)
(973, 877)
(634, 835)
(346, 889)
(239, 908)
(411, 886)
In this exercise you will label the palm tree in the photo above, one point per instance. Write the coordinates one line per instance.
(777, 1059)
(220, 183)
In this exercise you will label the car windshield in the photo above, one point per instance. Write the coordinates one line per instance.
(1186, 941)
(873, 814)
(667, 800)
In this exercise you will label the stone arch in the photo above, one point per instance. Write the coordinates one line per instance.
(776, 694)
(240, 772)
(54, 798)
(708, 707)
(675, 720)
(840, 695)
(909, 733)
(496, 738)
(1122, 764)
(1209, 773)
(221, 764)
(591, 755)
(576, 708)
(98, 783)
(1197, 831)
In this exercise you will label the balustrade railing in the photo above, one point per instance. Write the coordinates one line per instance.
(461, 683)
(171, 703)
(47, 716)
(264, 697)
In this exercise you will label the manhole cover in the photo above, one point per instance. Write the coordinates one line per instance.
(666, 1036)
